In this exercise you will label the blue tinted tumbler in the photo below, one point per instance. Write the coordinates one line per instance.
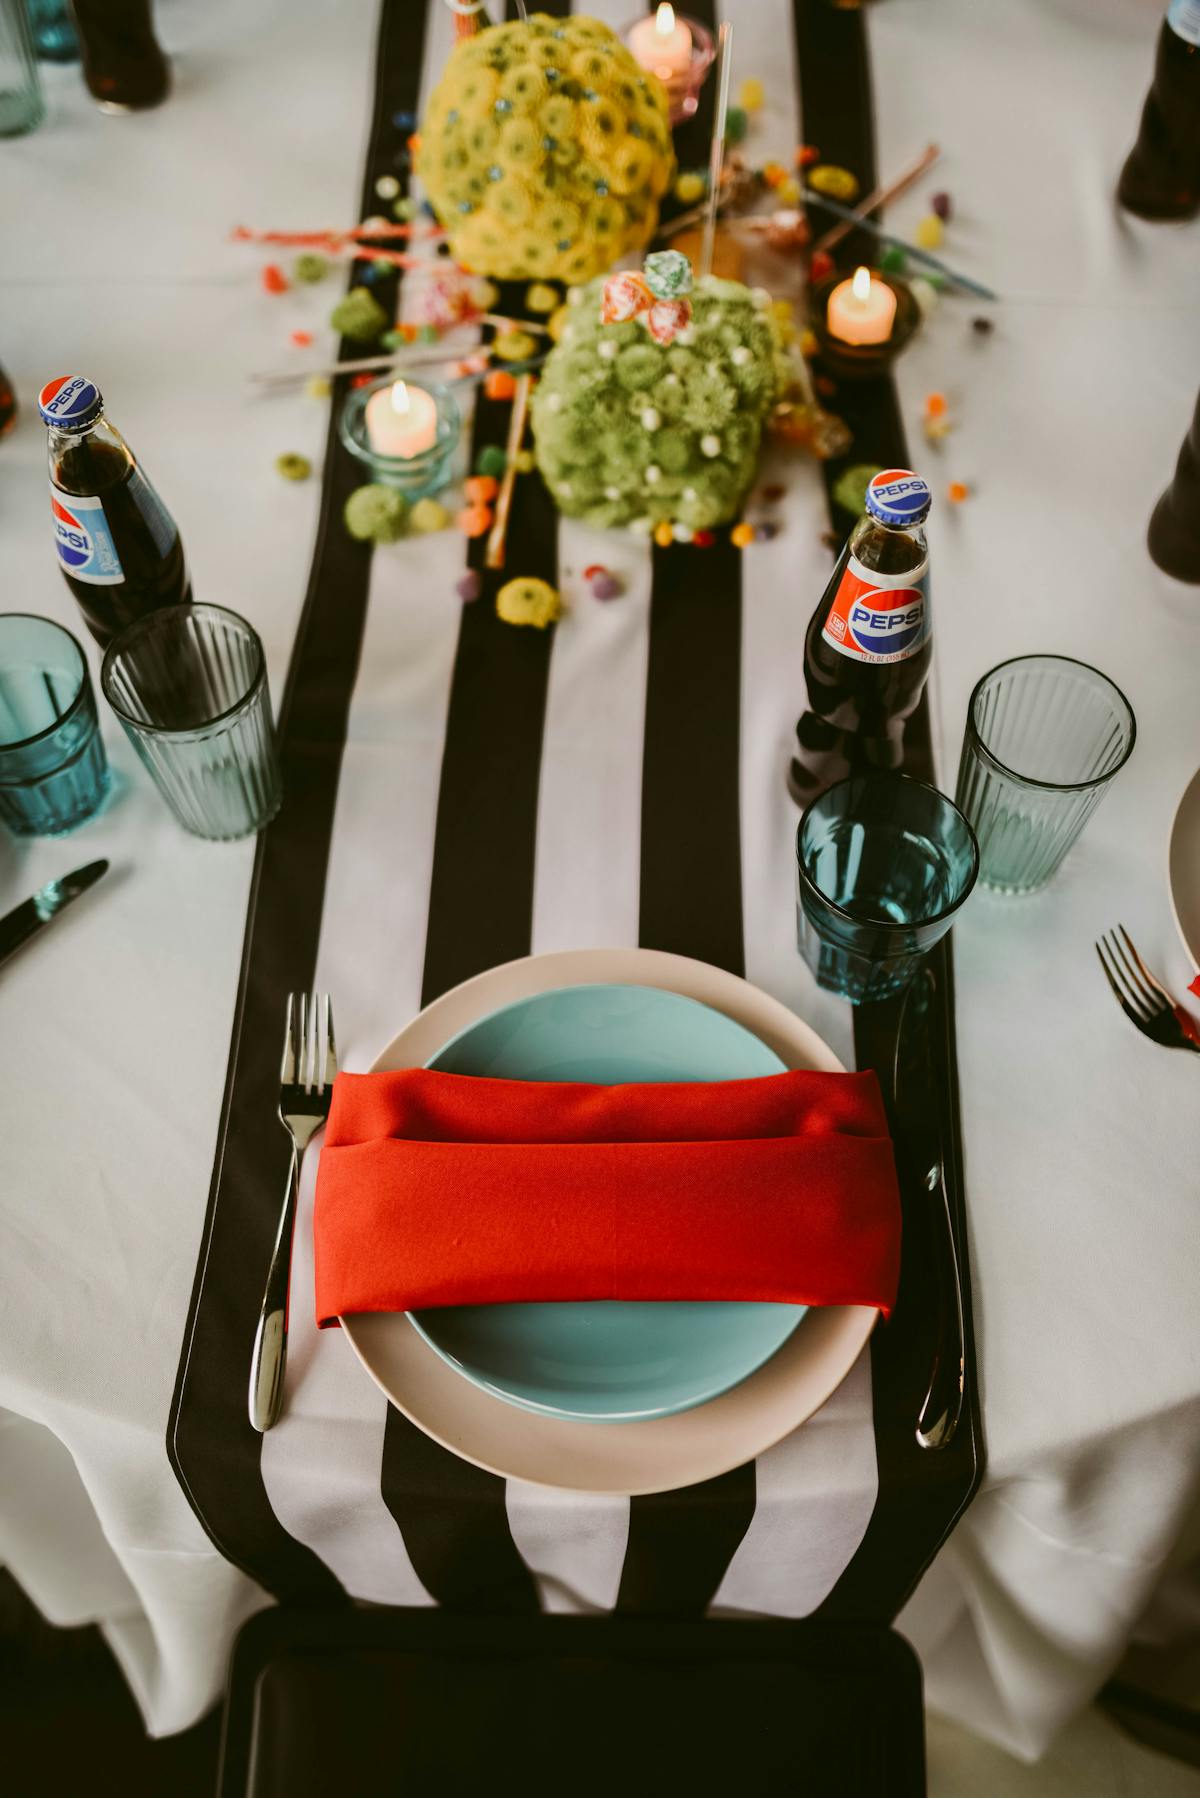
(53, 770)
(883, 864)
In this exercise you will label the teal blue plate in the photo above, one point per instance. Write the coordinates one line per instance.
(609, 1362)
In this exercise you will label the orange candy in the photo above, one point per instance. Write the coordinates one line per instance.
(957, 492)
(935, 405)
(742, 534)
(473, 521)
(274, 280)
(663, 534)
(773, 173)
(500, 385)
(481, 488)
(806, 155)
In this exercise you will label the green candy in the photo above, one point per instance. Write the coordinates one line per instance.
(737, 123)
(359, 316)
(310, 267)
(293, 467)
(375, 514)
(850, 489)
(893, 260)
(491, 460)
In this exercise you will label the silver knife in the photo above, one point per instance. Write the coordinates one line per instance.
(919, 1119)
(47, 903)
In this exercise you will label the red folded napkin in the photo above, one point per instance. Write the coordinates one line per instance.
(446, 1189)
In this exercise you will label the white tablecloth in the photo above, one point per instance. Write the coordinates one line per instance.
(1079, 1136)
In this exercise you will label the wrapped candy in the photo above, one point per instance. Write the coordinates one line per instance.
(668, 274)
(666, 318)
(625, 295)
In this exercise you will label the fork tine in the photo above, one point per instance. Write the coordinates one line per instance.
(331, 1061)
(1147, 994)
(1118, 981)
(287, 1073)
(1147, 973)
(304, 1068)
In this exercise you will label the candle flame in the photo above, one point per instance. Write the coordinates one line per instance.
(664, 19)
(860, 287)
(400, 400)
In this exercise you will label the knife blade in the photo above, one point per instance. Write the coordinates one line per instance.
(915, 1089)
(47, 904)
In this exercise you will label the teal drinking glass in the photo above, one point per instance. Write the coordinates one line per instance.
(22, 107)
(189, 685)
(1045, 736)
(883, 864)
(53, 770)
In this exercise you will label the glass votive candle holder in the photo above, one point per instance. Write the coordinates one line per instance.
(860, 361)
(414, 476)
(682, 84)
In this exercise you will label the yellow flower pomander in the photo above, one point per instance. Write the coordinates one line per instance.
(545, 150)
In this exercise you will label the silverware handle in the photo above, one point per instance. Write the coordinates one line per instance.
(270, 1339)
(944, 1400)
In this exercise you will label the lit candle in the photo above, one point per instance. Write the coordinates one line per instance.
(401, 421)
(662, 44)
(861, 310)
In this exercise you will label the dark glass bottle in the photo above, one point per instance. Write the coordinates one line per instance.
(118, 547)
(1174, 534)
(123, 65)
(8, 405)
(1161, 176)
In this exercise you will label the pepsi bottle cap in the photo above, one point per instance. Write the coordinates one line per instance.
(70, 402)
(897, 496)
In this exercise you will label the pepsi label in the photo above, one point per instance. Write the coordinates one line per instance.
(84, 542)
(878, 617)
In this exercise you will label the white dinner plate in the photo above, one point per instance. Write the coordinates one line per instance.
(657, 1454)
(1183, 868)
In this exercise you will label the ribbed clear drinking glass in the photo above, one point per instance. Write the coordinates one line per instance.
(189, 685)
(22, 107)
(1045, 736)
(53, 770)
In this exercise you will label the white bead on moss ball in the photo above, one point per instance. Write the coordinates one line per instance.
(689, 493)
(760, 297)
(710, 445)
(682, 533)
(574, 295)
(653, 473)
(739, 355)
(607, 349)
(564, 487)
(641, 527)
(554, 402)
(612, 493)
(651, 418)
(685, 336)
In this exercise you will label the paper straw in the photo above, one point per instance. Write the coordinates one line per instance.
(717, 153)
(494, 556)
(890, 190)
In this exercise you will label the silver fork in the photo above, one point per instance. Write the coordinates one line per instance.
(305, 1088)
(1142, 996)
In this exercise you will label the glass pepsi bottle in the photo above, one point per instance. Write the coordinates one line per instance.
(1161, 176)
(118, 547)
(869, 642)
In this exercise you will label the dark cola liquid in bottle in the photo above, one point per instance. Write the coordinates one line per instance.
(1161, 176)
(869, 642)
(119, 550)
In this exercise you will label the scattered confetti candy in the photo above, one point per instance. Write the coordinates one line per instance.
(737, 123)
(928, 233)
(788, 192)
(935, 405)
(983, 327)
(893, 261)
(302, 339)
(473, 521)
(528, 601)
(310, 267)
(359, 316)
(605, 585)
(593, 569)
(806, 155)
(317, 387)
(491, 460)
(427, 333)
(428, 515)
(541, 298)
(957, 492)
(808, 343)
(481, 488)
(663, 534)
(514, 346)
(380, 267)
(274, 280)
(742, 535)
(704, 539)
(387, 187)
(375, 514)
(767, 530)
(940, 204)
(850, 488)
(751, 94)
(820, 266)
(500, 385)
(404, 209)
(838, 183)
(469, 586)
(293, 468)
(773, 173)
(925, 294)
(524, 461)
(689, 188)
(363, 380)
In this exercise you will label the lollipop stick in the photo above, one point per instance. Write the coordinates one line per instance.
(494, 555)
(717, 153)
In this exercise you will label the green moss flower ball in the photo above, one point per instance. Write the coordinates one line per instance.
(631, 430)
(545, 150)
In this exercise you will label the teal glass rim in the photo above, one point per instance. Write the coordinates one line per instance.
(414, 475)
(142, 627)
(907, 783)
(11, 745)
(975, 743)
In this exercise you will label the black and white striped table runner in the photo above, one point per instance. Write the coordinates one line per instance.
(478, 741)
